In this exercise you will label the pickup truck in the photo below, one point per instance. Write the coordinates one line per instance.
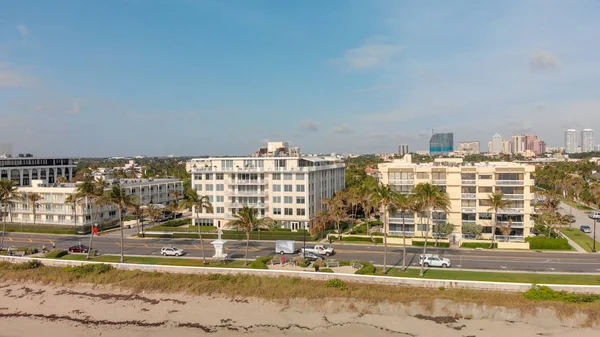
(319, 249)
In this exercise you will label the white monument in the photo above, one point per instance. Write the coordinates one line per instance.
(219, 245)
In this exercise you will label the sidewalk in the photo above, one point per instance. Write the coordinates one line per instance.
(573, 244)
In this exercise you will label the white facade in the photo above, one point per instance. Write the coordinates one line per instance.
(23, 170)
(497, 145)
(518, 144)
(587, 140)
(289, 190)
(52, 209)
(571, 141)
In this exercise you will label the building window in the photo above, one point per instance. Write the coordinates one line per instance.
(276, 176)
(220, 187)
(220, 210)
(277, 200)
(468, 203)
(300, 211)
(287, 188)
(48, 217)
(276, 188)
(422, 175)
(220, 198)
(208, 187)
(197, 176)
(287, 200)
(289, 211)
(299, 188)
(287, 176)
(219, 176)
(485, 216)
(485, 189)
(209, 176)
(299, 176)
(300, 200)
(485, 202)
(423, 228)
(277, 211)
(485, 176)
(204, 222)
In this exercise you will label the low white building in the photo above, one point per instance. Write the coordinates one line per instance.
(52, 209)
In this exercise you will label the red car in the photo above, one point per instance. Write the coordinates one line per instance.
(79, 249)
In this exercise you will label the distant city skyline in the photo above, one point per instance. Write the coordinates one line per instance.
(220, 77)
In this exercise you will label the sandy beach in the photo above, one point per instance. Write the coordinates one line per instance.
(50, 311)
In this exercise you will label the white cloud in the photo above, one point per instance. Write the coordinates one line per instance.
(541, 60)
(370, 55)
(309, 125)
(23, 30)
(12, 79)
(344, 128)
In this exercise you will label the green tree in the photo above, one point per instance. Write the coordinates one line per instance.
(431, 197)
(74, 200)
(197, 204)
(386, 199)
(33, 200)
(336, 212)
(247, 219)
(496, 202)
(118, 197)
(8, 193)
(472, 229)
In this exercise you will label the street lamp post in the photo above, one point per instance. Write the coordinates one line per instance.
(594, 247)
(304, 248)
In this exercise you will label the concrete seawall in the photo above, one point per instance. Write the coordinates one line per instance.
(370, 279)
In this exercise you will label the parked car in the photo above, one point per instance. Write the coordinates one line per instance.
(434, 261)
(570, 218)
(312, 256)
(171, 251)
(319, 249)
(79, 249)
(594, 215)
(586, 229)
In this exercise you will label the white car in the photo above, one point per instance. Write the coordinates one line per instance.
(434, 261)
(171, 251)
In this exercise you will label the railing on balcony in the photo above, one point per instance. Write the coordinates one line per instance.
(248, 182)
(469, 209)
(469, 195)
(513, 224)
(509, 182)
(439, 181)
(252, 193)
(402, 181)
(469, 222)
(242, 204)
(514, 196)
(231, 216)
(510, 238)
(468, 182)
(510, 210)
(399, 220)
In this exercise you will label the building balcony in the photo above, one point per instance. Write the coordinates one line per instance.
(401, 181)
(268, 169)
(242, 204)
(230, 216)
(469, 222)
(511, 238)
(439, 181)
(250, 193)
(512, 225)
(514, 196)
(468, 195)
(509, 182)
(510, 210)
(469, 209)
(248, 182)
(469, 182)
(407, 221)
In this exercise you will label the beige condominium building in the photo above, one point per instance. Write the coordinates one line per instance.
(469, 186)
(282, 185)
(52, 209)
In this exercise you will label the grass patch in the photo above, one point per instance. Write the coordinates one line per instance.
(545, 243)
(261, 262)
(580, 238)
(359, 239)
(164, 261)
(485, 245)
(580, 207)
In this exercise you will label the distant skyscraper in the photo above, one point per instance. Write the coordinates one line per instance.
(441, 143)
(587, 140)
(471, 147)
(518, 144)
(402, 149)
(497, 146)
(507, 146)
(571, 142)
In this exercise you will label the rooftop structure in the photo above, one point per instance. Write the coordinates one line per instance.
(23, 170)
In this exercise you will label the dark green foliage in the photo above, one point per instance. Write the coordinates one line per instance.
(336, 283)
(431, 243)
(367, 269)
(261, 262)
(361, 239)
(548, 294)
(485, 245)
(56, 253)
(544, 243)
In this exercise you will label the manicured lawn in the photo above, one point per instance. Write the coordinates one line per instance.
(580, 238)
(498, 277)
(166, 261)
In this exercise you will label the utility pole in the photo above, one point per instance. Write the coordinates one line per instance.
(594, 247)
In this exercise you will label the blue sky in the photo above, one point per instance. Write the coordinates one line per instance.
(190, 77)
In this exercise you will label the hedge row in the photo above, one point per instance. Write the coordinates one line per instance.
(360, 239)
(545, 243)
(485, 245)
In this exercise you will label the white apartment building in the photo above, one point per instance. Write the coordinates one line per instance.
(571, 141)
(468, 187)
(52, 209)
(24, 169)
(496, 145)
(587, 140)
(288, 189)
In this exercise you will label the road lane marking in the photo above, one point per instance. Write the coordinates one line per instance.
(196, 246)
(10, 239)
(145, 246)
(30, 240)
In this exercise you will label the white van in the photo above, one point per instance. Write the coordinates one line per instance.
(594, 215)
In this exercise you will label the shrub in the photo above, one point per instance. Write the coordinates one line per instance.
(548, 294)
(27, 251)
(336, 283)
(56, 253)
(86, 269)
(477, 245)
(33, 264)
(540, 242)
(177, 223)
(325, 270)
(260, 263)
(431, 244)
(367, 269)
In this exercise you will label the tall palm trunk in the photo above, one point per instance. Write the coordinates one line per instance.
(247, 245)
(422, 272)
(385, 231)
(200, 237)
(494, 222)
(92, 229)
(3, 217)
(122, 238)
(403, 243)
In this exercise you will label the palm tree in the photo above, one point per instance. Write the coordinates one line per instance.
(8, 193)
(247, 220)
(386, 199)
(88, 191)
(431, 197)
(74, 200)
(176, 194)
(118, 197)
(153, 213)
(33, 199)
(496, 201)
(197, 204)
(550, 207)
(404, 204)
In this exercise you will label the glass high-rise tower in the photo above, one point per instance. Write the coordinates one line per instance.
(441, 143)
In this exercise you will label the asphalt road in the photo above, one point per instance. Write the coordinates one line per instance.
(460, 258)
(581, 218)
